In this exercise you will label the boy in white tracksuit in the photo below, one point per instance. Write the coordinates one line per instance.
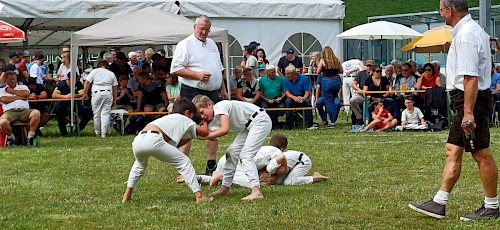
(252, 124)
(161, 139)
(298, 165)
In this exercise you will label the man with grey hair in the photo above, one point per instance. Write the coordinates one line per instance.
(389, 74)
(437, 69)
(271, 87)
(297, 91)
(468, 70)
(197, 62)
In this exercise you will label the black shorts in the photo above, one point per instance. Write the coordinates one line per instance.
(190, 92)
(482, 110)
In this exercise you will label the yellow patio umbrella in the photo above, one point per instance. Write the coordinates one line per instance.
(436, 40)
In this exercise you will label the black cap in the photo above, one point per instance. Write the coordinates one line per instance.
(290, 51)
(12, 54)
(121, 56)
(30, 81)
(256, 44)
(39, 57)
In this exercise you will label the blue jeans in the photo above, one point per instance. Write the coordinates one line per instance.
(330, 88)
(320, 106)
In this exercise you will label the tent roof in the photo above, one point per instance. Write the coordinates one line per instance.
(47, 22)
(162, 28)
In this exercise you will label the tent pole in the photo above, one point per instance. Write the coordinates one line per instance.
(74, 66)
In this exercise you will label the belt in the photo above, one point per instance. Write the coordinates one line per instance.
(253, 116)
(149, 131)
(102, 90)
(16, 109)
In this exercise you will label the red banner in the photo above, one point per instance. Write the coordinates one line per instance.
(10, 33)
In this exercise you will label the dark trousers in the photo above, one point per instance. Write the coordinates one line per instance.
(290, 117)
(63, 110)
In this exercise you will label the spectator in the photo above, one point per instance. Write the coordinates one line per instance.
(429, 78)
(382, 119)
(351, 68)
(63, 108)
(125, 96)
(413, 69)
(132, 56)
(412, 117)
(320, 104)
(173, 91)
(148, 55)
(140, 58)
(261, 57)
(271, 88)
(313, 64)
(377, 83)
(104, 93)
(289, 59)
(248, 88)
(152, 94)
(357, 100)
(233, 81)
(15, 106)
(107, 56)
(38, 91)
(133, 84)
(13, 59)
(22, 66)
(65, 67)
(331, 68)
(495, 84)
(408, 79)
(162, 52)
(120, 66)
(389, 74)
(251, 62)
(113, 55)
(297, 91)
(437, 69)
(36, 70)
(262, 71)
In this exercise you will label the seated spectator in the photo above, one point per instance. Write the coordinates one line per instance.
(119, 66)
(262, 70)
(382, 119)
(297, 91)
(152, 96)
(429, 78)
(271, 88)
(15, 106)
(356, 102)
(233, 81)
(389, 74)
(437, 69)
(38, 91)
(132, 56)
(412, 117)
(377, 83)
(173, 91)
(407, 78)
(289, 59)
(125, 95)
(495, 84)
(63, 108)
(248, 88)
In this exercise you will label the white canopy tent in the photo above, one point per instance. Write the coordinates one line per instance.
(162, 28)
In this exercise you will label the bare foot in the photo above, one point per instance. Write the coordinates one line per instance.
(127, 195)
(180, 179)
(253, 196)
(216, 179)
(204, 199)
(318, 177)
(222, 191)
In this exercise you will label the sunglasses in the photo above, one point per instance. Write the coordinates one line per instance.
(378, 71)
(428, 69)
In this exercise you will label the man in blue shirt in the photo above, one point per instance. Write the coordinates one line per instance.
(297, 92)
(495, 84)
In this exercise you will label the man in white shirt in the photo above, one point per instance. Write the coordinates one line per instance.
(197, 62)
(36, 70)
(14, 99)
(351, 69)
(468, 78)
(251, 61)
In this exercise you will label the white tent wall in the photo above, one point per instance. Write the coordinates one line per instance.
(272, 33)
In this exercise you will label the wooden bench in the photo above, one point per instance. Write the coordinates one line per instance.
(297, 109)
(20, 130)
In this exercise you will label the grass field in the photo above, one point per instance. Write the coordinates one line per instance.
(358, 11)
(77, 183)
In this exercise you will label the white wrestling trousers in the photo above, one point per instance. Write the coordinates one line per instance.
(245, 146)
(101, 106)
(153, 144)
(347, 91)
(240, 178)
(297, 175)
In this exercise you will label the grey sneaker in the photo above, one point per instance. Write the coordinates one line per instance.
(11, 142)
(430, 208)
(481, 214)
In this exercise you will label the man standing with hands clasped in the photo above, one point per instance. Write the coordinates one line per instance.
(197, 62)
(468, 78)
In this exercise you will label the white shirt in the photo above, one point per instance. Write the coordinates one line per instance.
(292, 158)
(265, 154)
(17, 104)
(254, 64)
(412, 118)
(103, 79)
(238, 112)
(351, 65)
(198, 56)
(36, 72)
(176, 127)
(63, 71)
(469, 54)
